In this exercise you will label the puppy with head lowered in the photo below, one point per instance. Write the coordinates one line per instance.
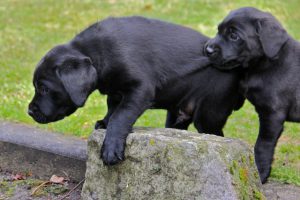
(139, 64)
(255, 41)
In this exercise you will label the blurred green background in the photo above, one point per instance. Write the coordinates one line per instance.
(29, 28)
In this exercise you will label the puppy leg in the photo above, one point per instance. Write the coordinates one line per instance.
(183, 125)
(172, 122)
(211, 122)
(112, 103)
(215, 128)
(271, 127)
(171, 119)
(120, 124)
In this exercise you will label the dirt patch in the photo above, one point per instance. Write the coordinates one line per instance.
(281, 191)
(284, 139)
(29, 187)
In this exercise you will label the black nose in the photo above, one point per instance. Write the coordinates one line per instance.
(30, 112)
(32, 108)
(210, 50)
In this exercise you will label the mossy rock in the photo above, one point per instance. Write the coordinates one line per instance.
(173, 164)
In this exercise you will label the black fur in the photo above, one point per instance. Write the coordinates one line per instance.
(254, 40)
(140, 64)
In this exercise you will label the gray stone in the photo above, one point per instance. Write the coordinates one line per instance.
(173, 164)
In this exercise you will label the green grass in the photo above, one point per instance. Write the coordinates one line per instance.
(28, 29)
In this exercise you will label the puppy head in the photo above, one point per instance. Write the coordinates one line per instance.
(244, 35)
(63, 79)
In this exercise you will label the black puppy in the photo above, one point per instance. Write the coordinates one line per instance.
(256, 41)
(140, 64)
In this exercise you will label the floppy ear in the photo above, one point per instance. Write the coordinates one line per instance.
(79, 78)
(271, 35)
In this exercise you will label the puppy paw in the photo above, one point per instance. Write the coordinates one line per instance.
(264, 173)
(264, 177)
(100, 124)
(112, 151)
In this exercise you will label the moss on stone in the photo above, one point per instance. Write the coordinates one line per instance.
(243, 159)
(231, 170)
(251, 159)
(256, 175)
(244, 176)
(258, 195)
(173, 150)
(202, 148)
(243, 180)
(152, 142)
(234, 164)
(233, 167)
(155, 169)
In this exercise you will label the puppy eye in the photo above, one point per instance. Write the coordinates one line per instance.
(44, 90)
(234, 37)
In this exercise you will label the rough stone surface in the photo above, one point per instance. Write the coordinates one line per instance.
(173, 164)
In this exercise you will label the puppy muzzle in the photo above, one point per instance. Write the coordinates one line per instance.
(36, 114)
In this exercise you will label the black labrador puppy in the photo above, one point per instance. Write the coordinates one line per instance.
(140, 64)
(270, 59)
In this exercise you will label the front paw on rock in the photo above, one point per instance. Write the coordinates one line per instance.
(112, 152)
(264, 174)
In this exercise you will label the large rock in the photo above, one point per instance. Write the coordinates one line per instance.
(173, 164)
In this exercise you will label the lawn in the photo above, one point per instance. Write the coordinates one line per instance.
(29, 28)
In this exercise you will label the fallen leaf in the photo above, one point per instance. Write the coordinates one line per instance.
(57, 179)
(18, 177)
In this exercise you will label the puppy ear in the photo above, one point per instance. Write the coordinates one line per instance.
(271, 35)
(79, 78)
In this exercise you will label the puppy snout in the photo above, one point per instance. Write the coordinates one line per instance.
(32, 109)
(211, 50)
(30, 112)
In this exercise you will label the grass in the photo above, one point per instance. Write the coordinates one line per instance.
(30, 28)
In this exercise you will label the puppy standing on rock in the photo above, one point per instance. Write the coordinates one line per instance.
(256, 41)
(140, 64)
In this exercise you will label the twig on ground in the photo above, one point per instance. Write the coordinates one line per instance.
(74, 188)
(67, 178)
(38, 187)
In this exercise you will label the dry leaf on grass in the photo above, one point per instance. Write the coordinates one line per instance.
(18, 177)
(54, 179)
(57, 179)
